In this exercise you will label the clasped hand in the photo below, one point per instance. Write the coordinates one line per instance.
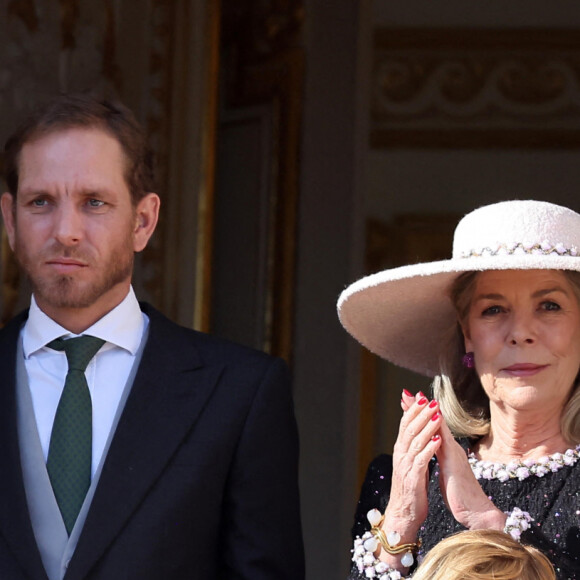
(423, 433)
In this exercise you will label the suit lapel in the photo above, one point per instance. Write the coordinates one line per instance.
(15, 523)
(171, 388)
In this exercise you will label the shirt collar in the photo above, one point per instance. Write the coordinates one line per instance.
(123, 326)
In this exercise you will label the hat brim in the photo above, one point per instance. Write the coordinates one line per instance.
(404, 314)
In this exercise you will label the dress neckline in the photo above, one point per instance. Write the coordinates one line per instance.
(522, 469)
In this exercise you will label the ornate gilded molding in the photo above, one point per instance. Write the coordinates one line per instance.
(24, 10)
(157, 125)
(69, 16)
(259, 29)
(476, 88)
(263, 41)
(181, 99)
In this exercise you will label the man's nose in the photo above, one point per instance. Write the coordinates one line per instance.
(68, 226)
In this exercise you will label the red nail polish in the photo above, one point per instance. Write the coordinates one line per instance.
(435, 437)
(407, 393)
(420, 394)
(436, 416)
(433, 404)
(422, 401)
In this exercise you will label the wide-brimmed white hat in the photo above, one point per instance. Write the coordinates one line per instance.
(404, 314)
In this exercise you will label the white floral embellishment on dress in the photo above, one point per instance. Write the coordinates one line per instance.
(523, 469)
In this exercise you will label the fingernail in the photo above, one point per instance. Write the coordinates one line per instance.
(433, 404)
(435, 437)
(421, 401)
(436, 416)
(405, 392)
(420, 394)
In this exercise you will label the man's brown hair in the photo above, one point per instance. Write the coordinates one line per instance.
(71, 111)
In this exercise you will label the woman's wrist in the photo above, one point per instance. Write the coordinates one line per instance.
(407, 528)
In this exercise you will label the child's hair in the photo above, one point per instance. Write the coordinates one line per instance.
(481, 555)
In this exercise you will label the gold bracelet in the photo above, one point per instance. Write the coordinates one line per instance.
(390, 542)
(393, 548)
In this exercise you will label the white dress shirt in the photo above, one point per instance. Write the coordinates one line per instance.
(122, 329)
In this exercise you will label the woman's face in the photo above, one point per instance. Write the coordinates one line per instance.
(523, 327)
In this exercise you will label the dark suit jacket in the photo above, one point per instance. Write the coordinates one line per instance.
(200, 481)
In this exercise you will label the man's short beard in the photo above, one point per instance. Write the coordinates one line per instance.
(65, 292)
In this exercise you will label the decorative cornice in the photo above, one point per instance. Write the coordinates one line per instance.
(476, 88)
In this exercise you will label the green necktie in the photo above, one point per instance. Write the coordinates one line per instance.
(70, 451)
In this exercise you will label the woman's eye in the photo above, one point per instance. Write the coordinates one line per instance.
(492, 310)
(549, 305)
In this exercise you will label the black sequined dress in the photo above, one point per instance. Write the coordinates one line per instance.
(552, 500)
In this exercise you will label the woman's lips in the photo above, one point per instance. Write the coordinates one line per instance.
(524, 369)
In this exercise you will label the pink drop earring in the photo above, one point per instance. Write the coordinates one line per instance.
(468, 360)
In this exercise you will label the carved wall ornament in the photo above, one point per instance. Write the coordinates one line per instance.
(476, 88)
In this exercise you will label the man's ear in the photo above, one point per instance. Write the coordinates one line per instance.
(146, 216)
(7, 204)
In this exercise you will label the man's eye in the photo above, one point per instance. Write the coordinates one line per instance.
(39, 202)
(96, 203)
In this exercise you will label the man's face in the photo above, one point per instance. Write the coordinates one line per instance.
(72, 225)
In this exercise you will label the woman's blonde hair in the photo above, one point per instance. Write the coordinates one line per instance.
(481, 555)
(461, 397)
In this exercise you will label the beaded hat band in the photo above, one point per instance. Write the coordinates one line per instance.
(403, 314)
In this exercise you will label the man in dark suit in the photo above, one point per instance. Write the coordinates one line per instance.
(188, 466)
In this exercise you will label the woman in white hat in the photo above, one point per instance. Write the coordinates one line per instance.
(497, 446)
